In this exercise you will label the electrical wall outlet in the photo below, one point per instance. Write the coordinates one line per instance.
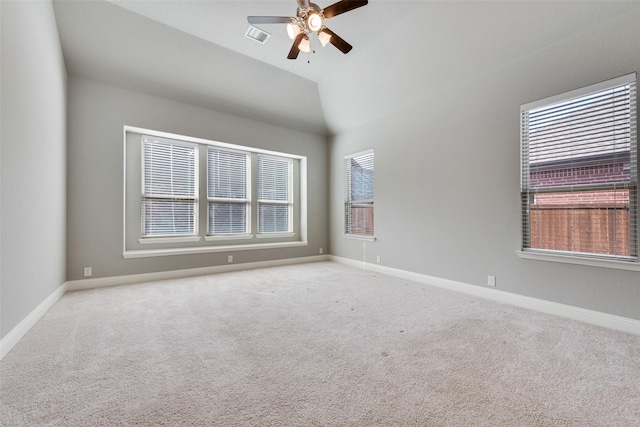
(320, 251)
(230, 258)
(378, 259)
(491, 280)
(88, 271)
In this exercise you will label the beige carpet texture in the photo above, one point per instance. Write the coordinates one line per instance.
(318, 344)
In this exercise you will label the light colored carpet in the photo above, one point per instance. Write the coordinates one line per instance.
(318, 344)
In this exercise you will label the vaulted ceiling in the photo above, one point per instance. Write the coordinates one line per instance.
(403, 51)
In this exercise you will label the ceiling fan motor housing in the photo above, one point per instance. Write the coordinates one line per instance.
(309, 19)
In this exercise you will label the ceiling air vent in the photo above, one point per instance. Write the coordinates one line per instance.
(257, 34)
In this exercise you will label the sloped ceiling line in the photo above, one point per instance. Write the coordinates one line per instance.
(404, 51)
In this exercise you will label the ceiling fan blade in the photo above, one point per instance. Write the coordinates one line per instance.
(303, 3)
(295, 49)
(338, 41)
(268, 19)
(342, 7)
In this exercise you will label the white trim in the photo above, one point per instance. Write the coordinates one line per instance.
(153, 240)
(303, 199)
(16, 334)
(206, 249)
(571, 259)
(124, 189)
(593, 317)
(359, 153)
(360, 237)
(76, 285)
(185, 138)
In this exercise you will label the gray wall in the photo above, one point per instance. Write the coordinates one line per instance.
(97, 114)
(447, 198)
(33, 160)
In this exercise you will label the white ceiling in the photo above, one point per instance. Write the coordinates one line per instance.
(403, 51)
(225, 23)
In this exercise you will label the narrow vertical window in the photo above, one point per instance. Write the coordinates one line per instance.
(227, 191)
(579, 172)
(169, 188)
(359, 179)
(275, 194)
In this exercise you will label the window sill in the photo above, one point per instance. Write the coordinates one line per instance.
(360, 237)
(154, 240)
(275, 235)
(580, 260)
(207, 249)
(228, 237)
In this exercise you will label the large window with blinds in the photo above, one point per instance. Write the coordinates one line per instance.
(188, 195)
(358, 210)
(579, 172)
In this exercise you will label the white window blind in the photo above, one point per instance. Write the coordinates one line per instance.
(275, 177)
(227, 190)
(579, 172)
(169, 188)
(359, 179)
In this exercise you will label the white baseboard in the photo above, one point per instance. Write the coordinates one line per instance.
(76, 285)
(16, 334)
(11, 339)
(606, 320)
(576, 313)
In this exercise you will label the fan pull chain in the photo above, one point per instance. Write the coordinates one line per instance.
(312, 50)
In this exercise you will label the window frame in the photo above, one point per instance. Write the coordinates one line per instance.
(134, 246)
(593, 259)
(348, 201)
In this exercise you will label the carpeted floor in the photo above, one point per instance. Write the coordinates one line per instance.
(318, 344)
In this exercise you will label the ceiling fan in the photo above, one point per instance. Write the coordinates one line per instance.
(310, 19)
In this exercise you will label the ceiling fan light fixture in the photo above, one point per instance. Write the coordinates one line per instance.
(309, 18)
(293, 30)
(324, 37)
(304, 45)
(314, 22)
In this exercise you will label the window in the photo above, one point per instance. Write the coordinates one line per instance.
(228, 195)
(274, 194)
(169, 188)
(359, 194)
(188, 195)
(579, 172)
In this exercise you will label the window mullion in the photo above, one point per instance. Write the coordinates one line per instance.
(253, 200)
(227, 200)
(203, 205)
(275, 202)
